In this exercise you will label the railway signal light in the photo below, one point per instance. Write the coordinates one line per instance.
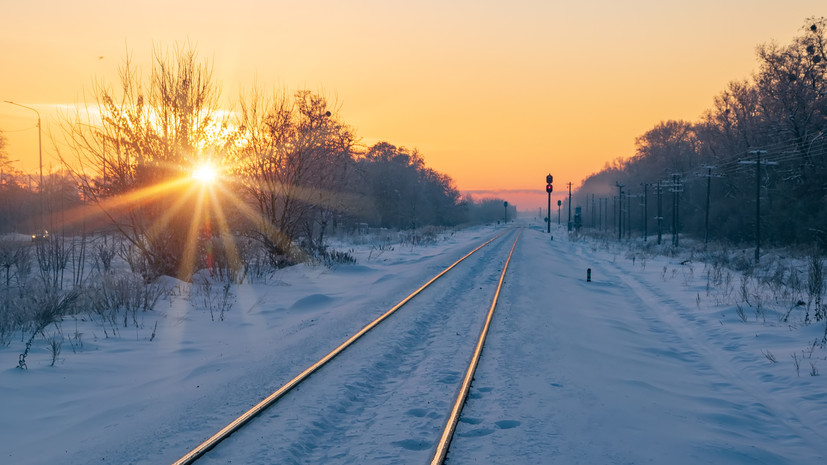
(549, 188)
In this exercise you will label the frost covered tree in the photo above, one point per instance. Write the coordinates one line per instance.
(132, 148)
(293, 164)
(782, 112)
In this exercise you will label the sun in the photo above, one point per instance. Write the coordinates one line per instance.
(205, 173)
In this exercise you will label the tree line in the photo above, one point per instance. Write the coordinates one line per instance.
(761, 147)
(291, 173)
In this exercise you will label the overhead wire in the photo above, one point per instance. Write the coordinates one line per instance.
(19, 130)
(777, 152)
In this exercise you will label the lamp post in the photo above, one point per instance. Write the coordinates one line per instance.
(39, 156)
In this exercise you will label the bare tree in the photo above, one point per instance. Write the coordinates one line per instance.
(6, 168)
(406, 194)
(294, 152)
(132, 147)
(791, 83)
(4, 157)
(781, 110)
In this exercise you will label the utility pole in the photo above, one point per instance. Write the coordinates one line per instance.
(619, 210)
(569, 184)
(645, 211)
(676, 190)
(757, 163)
(605, 220)
(628, 215)
(674, 210)
(605, 213)
(708, 177)
(594, 215)
(613, 220)
(660, 213)
(706, 219)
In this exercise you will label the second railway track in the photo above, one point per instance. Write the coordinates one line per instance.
(387, 398)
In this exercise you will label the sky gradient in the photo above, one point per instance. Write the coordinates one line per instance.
(496, 94)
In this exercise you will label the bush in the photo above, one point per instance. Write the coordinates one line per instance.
(46, 307)
(122, 294)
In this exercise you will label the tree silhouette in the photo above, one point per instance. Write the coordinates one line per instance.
(133, 146)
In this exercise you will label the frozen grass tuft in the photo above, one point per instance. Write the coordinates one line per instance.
(216, 296)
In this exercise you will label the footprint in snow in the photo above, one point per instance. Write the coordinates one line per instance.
(413, 444)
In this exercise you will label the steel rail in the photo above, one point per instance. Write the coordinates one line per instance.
(451, 425)
(236, 424)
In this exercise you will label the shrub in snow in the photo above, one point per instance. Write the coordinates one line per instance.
(815, 286)
(46, 307)
(213, 295)
(118, 297)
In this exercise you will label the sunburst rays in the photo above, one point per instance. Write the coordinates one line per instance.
(207, 201)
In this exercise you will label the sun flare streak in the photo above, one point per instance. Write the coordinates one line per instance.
(205, 173)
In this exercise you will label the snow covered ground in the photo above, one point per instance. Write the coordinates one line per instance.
(645, 364)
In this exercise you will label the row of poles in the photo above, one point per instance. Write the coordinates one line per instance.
(622, 205)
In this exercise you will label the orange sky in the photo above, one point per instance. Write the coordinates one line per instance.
(494, 93)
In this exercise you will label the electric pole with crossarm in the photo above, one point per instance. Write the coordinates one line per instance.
(757, 162)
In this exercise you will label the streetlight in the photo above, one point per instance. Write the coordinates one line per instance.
(39, 145)
(39, 155)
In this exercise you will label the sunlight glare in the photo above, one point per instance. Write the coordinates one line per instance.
(205, 173)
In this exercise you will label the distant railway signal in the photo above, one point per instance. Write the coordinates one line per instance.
(549, 189)
(559, 202)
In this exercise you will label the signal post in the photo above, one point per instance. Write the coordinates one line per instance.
(549, 188)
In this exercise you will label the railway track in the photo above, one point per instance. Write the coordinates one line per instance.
(315, 422)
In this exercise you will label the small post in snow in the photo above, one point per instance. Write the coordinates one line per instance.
(588, 275)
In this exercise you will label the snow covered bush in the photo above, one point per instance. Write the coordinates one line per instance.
(52, 254)
(118, 297)
(15, 265)
(227, 258)
(43, 308)
(104, 251)
(815, 286)
(214, 295)
(330, 257)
